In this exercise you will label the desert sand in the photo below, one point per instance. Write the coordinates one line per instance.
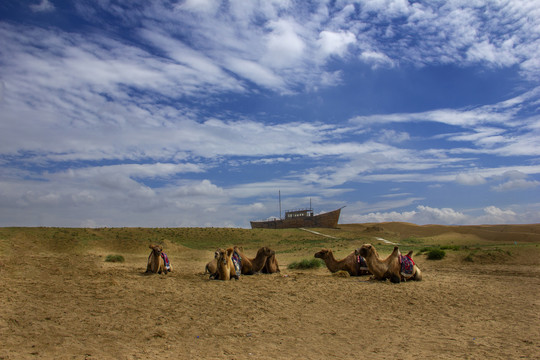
(57, 303)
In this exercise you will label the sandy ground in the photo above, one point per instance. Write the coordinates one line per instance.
(77, 306)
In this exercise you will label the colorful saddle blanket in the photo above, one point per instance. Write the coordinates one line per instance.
(361, 263)
(407, 265)
(166, 261)
(237, 261)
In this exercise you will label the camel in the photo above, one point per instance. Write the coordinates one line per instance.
(349, 264)
(252, 266)
(271, 266)
(156, 264)
(225, 266)
(211, 267)
(389, 268)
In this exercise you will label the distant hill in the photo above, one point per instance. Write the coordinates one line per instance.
(402, 230)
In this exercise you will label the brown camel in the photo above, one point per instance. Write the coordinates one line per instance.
(155, 261)
(389, 268)
(350, 264)
(225, 266)
(252, 266)
(271, 266)
(211, 267)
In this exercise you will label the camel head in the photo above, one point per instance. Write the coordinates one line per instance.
(221, 256)
(266, 251)
(156, 249)
(365, 250)
(216, 253)
(323, 254)
(224, 256)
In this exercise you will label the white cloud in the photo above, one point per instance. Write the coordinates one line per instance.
(285, 48)
(203, 6)
(494, 215)
(519, 184)
(43, 6)
(465, 118)
(203, 188)
(470, 179)
(376, 59)
(444, 216)
(431, 215)
(389, 135)
(335, 43)
(255, 73)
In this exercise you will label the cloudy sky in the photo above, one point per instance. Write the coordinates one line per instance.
(197, 112)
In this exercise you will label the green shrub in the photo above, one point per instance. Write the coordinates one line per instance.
(114, 258)
(306, 264)
(436, 254)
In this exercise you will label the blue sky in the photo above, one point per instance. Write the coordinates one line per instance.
(197, 112)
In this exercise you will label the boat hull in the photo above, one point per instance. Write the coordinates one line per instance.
(326, 220)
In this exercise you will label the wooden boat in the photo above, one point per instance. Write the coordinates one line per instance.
(300, 218)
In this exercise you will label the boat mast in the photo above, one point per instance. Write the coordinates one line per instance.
(279, 193)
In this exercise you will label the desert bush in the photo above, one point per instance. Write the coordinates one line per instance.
(436, 254)
(114, 258)
(306, 264)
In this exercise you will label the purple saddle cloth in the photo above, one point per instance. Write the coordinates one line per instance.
(407, 265)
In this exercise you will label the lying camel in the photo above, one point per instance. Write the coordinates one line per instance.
(156, 264)
(389, 268)
(271, 266)
(211, 267)
(252, 266)
(350, 264)
(225, 266)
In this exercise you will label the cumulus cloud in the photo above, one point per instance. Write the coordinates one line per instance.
(517, 184)
(424, 215)
(494, 215)
(512, 180)
(284, 45)
(335, 43)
